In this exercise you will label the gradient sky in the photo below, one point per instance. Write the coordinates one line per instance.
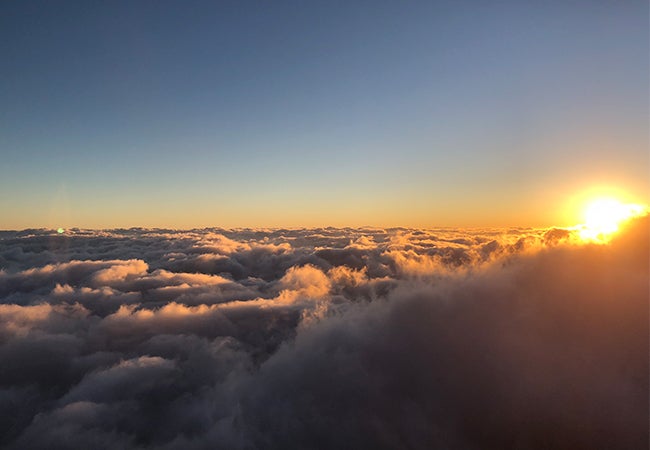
(192, 114)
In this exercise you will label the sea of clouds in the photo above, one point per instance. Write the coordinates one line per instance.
(323, 338)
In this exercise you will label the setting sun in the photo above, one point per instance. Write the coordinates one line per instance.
(603, 217)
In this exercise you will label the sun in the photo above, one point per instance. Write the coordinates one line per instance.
(604, 216)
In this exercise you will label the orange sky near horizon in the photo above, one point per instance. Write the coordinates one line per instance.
(512, 114)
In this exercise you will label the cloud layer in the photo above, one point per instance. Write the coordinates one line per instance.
(323, 338)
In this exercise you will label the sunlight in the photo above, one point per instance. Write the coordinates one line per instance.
(604, 216)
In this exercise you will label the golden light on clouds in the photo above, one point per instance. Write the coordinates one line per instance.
(604, 216)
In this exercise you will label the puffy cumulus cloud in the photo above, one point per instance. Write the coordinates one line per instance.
(307, 281)
(323, 338)
(119, 272)
(22, 320)
(94, 273)
(122, 381)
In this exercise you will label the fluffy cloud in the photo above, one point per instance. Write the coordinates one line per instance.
(324, 338)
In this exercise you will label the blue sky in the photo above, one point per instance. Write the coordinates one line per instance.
(189, 114)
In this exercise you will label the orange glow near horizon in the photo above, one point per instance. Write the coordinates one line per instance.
(604, 216)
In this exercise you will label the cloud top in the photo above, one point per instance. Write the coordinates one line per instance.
(323, 338)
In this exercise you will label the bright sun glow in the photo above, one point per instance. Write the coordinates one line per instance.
(604, 216)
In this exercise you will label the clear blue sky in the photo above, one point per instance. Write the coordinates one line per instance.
(240, 113)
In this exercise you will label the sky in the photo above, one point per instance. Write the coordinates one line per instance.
(290, 114)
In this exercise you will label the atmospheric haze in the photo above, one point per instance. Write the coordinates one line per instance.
(323, 338)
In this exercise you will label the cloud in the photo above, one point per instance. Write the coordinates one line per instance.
(326, 338)
(305, 281)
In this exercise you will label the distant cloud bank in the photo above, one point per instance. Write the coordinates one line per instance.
(323, 338)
